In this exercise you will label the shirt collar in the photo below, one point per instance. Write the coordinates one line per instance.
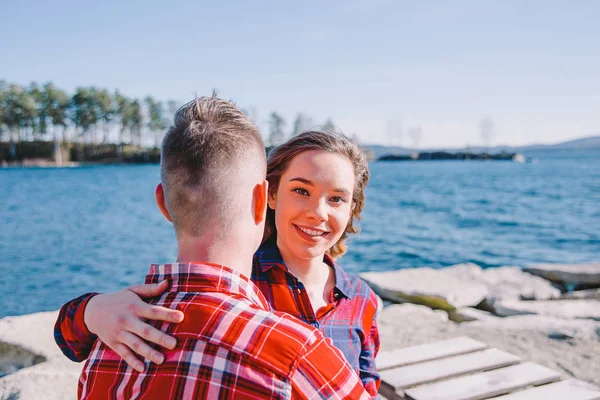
(269, 256)
(206, 277)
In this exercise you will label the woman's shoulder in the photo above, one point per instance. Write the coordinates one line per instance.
(357, 286)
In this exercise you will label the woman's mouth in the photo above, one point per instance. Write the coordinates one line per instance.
(311, 232)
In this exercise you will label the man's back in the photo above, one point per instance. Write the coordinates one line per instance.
(229, 346)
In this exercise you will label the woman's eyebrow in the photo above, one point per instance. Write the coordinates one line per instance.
(310, 183)
(303, 180)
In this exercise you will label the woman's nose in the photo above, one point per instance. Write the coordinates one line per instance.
(318, 210)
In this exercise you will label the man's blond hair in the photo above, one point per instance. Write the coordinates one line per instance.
(208, 146)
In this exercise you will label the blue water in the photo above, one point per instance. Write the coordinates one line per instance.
(64, 232)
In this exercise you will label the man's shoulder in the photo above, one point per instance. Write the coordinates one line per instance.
(275, 339)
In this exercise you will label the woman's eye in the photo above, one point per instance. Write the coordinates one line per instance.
(338, 199)
(301, 191)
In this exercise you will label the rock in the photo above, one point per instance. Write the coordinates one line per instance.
(548, 326)
(567, 309)
(589, 294)
(14, 357)
(467, 314)
(444, 289)
(571, 275)
(460, 285)
(570, 346)
(56, 378)
(512, 283)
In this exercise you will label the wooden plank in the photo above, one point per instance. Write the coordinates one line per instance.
(571, 389)
(430, 371)
(427, 352)
(486, 384)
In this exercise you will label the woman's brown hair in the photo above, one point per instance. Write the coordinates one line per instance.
(332, 142)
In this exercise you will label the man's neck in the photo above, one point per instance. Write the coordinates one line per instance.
(210, 250)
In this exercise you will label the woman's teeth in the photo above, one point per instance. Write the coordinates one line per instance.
(311, 232)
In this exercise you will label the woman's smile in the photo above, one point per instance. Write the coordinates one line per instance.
(311, 233)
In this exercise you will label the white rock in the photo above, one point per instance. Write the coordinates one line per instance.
(569, 274)
(458, 286)
(512, 283)
(568, 309)
(446, 288)
(465, 314)
(551, 327)
(54, 379)
(588, 294)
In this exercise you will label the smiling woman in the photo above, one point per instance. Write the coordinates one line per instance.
(329, 160)
(312, 204)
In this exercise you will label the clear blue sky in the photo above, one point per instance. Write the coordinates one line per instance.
(378, 68)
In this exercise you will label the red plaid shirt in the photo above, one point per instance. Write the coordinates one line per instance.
(349, 319)
(229, 346)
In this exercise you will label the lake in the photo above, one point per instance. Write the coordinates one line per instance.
(67, 231)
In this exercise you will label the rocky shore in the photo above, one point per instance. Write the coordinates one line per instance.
(524, 313)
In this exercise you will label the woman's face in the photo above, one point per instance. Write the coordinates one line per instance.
(313, 203)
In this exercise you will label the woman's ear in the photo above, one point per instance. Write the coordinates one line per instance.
(272, 200)
(159, 196)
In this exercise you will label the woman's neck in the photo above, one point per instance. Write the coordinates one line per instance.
(310, 271)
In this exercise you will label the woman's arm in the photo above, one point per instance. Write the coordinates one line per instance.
(116, 319)
(370, 347)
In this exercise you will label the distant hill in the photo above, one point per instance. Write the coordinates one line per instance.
(587, 143)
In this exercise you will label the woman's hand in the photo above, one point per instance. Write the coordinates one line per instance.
(117, 319)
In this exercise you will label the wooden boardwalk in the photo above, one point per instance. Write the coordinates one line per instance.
(465, 369)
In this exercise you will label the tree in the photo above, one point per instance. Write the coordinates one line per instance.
(39, 123)
(172, 107)
(123, 112)
(329, 125)
(486, 130)
(301, 124)
(276, 124)
(56, 104)
(135, 123)
(104, 106)
(85, 112)
(156, 119)
(415, 134)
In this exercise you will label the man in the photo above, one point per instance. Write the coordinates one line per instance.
(229, 345)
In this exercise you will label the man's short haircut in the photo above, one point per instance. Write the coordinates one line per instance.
(209, 145)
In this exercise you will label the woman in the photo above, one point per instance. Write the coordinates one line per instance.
(316, 195)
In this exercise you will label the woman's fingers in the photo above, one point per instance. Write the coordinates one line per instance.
(150, 290)
(128, 356)
(138, 346)
(151, 334)
(158, 313)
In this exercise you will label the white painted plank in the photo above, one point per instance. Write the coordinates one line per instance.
(486, 384)
(571, 389)
(427, 352)
(430, 371)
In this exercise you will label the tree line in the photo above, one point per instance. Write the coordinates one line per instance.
(46, 112)
(92, 116)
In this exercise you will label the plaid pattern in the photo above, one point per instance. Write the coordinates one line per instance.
(229, 347)
(71, 333)
(349, 319)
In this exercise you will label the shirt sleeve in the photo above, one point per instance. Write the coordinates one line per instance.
(369, 349)
(70, 333)
(323, 373)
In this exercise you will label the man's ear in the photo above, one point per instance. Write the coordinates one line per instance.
(159, 196)
(260, 193)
